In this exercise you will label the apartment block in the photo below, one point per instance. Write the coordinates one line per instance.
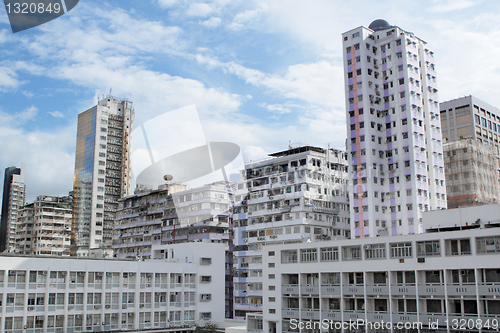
(296, 195)
(385, 284)
(102, 173)
(393, 130)
(469, 117)
(471, 173)
(14, 197)
(182, 286)
(173, 214)
(44, 226)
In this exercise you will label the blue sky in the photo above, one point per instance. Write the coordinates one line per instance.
(262, 73)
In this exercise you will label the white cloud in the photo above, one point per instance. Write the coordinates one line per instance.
(212, 22)
(27, 114)
(56, 114)
(199, 9)
(277, 108)
(248, 17)
(167, 3)
(443, 6)
(49, 155)
(8, 78)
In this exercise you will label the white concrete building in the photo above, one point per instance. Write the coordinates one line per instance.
(44, 226)
(395, 283)
(292, 196)
(102, 173)
(393, 130)
(183, 287)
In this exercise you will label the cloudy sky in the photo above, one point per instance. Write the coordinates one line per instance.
(261, 73)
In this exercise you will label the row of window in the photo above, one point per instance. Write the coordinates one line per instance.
(431, 248)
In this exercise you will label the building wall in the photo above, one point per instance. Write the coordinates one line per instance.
(173, 215)
(469, 117)
(471, 173)
(102, 172)
(44, 227)
(399, 279)
(393, 131)
(54, 294)
(294, 195)
(14, 197)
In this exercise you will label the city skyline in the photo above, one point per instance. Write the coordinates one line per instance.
(262, 74)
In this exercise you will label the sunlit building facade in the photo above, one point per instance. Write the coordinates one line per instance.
(102, 172)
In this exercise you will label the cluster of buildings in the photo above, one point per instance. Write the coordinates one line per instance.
(310, 239)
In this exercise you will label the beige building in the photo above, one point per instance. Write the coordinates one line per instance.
(469, 117)
(471, 173)
(44, 227)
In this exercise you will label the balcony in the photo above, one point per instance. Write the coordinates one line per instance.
(331, 314)
(290, 289)
(309, 289)
(310, 314)
(489, 289)
(440, 318)
(403, 290)
(330, 290)
(378, 316)
(290, 313)
(354, 315)
(430, 289)
(377, 290)
(461, 289)
(404, 318)
(354, 290)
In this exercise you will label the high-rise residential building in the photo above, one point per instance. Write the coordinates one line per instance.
(14, 197)
(44, 226)
(471, 173)
(469, 117)
(173, 214)
(294, 196)
(102, 172)
(393, 130)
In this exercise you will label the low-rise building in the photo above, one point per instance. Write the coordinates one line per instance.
(44, 226)
(399, 282)
(181, 287)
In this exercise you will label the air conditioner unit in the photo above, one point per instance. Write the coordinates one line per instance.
(114, 315)
(124, 306)
(463, 272)
(31, 308)
(131, 314)
(108, 306)
(97, 307)
(141, 306)
(79, 316)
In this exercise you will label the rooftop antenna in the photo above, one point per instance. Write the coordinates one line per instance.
(289, 144)
(110, 89)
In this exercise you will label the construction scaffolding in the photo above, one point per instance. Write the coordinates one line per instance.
(471, 173)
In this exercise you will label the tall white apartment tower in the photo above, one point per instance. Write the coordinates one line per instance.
(102, 173)
(393, 129)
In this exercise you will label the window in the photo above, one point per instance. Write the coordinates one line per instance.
(330, 254)
(288, 256)
(205, 261)
(401, 250)
(308, 255)
(375, 251)
(488, 244)
(270, 253)
(351, 252)
(428, 248)
(206, 278)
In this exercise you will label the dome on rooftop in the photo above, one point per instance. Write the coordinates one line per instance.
(379, 25)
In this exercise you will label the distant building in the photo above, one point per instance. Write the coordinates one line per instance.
(471, 173)
(469, 117)
(293, 196)
(393, 130)
(44, 227)
(102, 173)
(182, 286)
(14, 197)
(173, 214)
